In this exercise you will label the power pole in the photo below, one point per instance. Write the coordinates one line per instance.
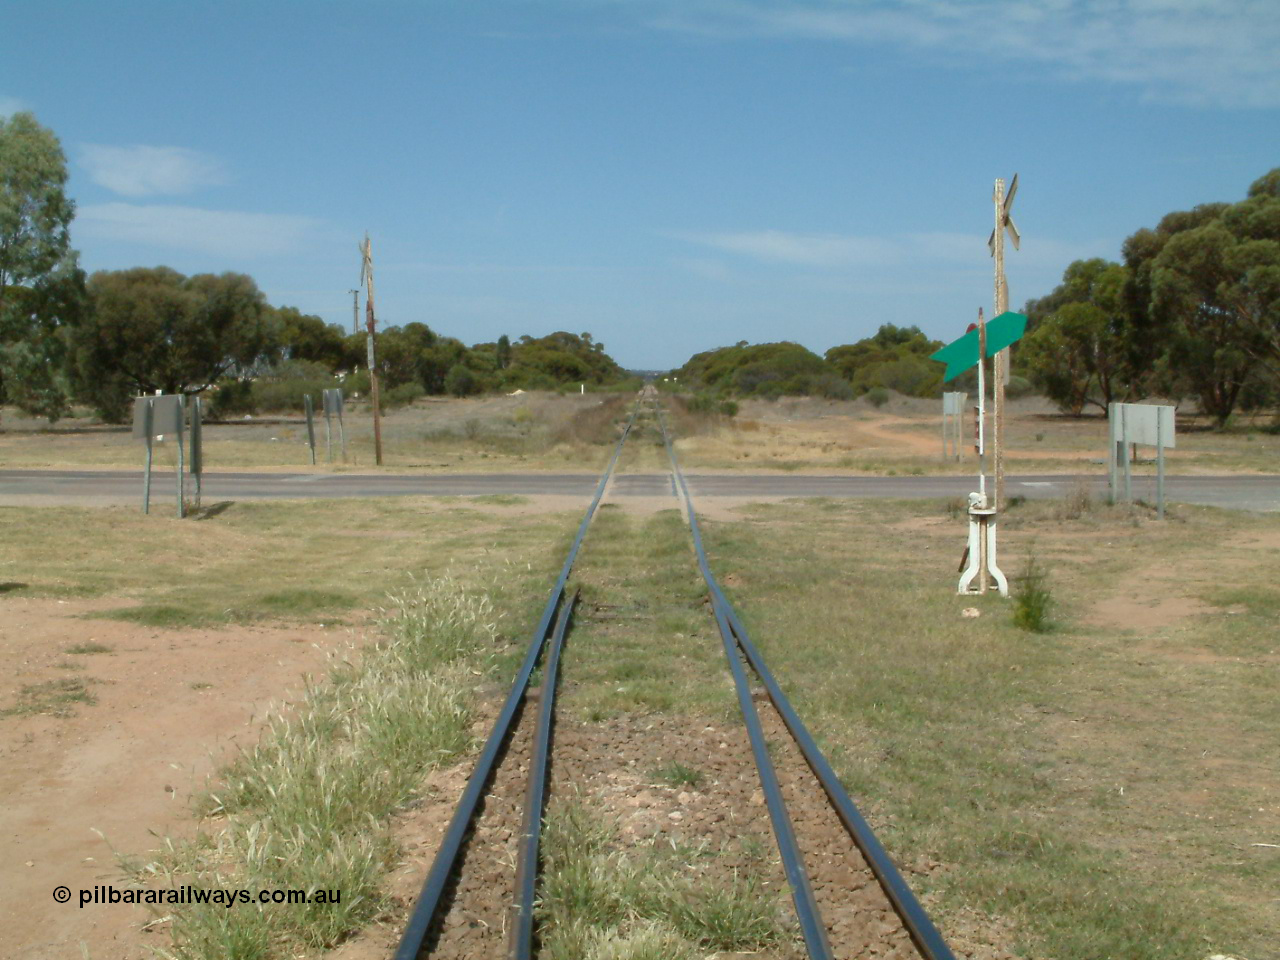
(355, 310)
(366, 277)
(1000, 363)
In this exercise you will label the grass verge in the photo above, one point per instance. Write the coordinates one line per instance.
(307, 807)
(1098, 785)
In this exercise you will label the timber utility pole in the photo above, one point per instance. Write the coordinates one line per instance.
(366, 278)
(355, 311)
(1000, 363)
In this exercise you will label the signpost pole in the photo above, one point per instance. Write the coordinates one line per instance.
(1111, 452)
(1001, 358)
(309, 407)
(197, 445)
(1125, 455)
(182, 507)
(1004, 223)
(147, 420)
(342, 435)
(328, 432)
(1161, 413)
(946, 423)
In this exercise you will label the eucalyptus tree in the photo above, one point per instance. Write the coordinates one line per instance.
(41, 286)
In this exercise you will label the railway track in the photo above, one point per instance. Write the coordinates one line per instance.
(849, 898)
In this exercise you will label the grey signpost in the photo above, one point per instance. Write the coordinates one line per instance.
(333, 405)
(311, 425)
(1129, 423)
(154, 417)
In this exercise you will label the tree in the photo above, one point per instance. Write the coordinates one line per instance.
(41, 286)
(1252, 260)
(502, 352)
(1074, 351)
(35, 329)
(893, 357)
(1204, 288)
(307, 337)
(34, 210)
(559, 358)
(150, 329)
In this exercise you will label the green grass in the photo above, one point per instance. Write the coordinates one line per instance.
(289, 561)
(500, 499)
(53, 697)
(1048, 774)
(80, 649)
(644, 566)
(598, 901)
(676, 774)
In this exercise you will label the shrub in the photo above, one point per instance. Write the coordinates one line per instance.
(1032, 599)
(1018, 387)
(831, 387)
(231, 398)
(877, 396)
(356, 384)
(402, 395)
(461, 381)
(285, 396)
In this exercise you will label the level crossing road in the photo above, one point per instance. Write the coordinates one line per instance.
(100, 487)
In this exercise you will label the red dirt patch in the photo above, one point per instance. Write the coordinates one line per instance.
(124, 765)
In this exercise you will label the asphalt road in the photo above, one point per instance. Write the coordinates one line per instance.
(1246, 492)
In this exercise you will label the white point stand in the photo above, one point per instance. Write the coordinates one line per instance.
(981, 565)
(982, 550)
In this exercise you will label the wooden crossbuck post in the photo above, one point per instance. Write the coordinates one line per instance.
(366, 277)
(1004, 222)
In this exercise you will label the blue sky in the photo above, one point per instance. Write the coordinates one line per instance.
(671, 176)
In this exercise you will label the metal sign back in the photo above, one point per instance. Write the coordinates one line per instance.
(1142, 423)
(166, 415)
(333, 402)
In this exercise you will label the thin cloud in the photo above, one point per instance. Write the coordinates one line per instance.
(799, 249)
(225, 233)
(1196, 52)
(925, 250)
(143, 171)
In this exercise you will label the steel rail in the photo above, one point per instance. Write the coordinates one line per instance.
(424, 912)
(531, 828)
(924, 934)
(812, 927)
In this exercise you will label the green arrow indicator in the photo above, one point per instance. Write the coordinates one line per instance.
(960, 355)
